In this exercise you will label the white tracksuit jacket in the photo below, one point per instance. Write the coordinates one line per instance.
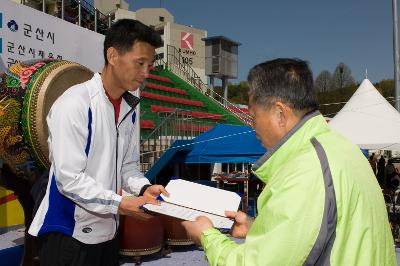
(91, 159)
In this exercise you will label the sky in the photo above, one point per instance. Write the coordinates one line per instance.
(358, 33)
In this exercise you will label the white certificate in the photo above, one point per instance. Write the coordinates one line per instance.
(189, 200)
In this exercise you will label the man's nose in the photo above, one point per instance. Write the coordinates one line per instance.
(147, 71)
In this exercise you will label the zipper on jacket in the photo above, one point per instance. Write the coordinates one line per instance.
(116, 178)
(116, 169)
(116, 161)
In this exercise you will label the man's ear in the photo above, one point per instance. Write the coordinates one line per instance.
(112, 55)
(280, 110)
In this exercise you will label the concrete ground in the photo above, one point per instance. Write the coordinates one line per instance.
(181, 255)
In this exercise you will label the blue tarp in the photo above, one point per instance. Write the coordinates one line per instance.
(221, 144)
(226, 144)
(176, 153)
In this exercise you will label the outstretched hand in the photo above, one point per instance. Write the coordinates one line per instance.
(131, 205)
(242, 223)
(194, 229)
(152, 192)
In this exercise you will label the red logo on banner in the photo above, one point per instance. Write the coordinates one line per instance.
(187, 40)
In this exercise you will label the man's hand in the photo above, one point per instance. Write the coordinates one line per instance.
(242, 223)
(153, 192)
(130, 205)
(194, 229)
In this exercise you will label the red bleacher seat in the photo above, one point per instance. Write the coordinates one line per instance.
(193, 127)
(158, 108)
(238, 110)
(159, 78)
(163, 98)
(205, 115)
(147, 124)
(245, 110)
(165, 88)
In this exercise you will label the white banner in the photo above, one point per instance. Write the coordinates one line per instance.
(27, 33)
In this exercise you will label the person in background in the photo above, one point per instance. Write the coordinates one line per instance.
(381, 171)
(321, 204)
(372, 161)
(390, 172)
(94, 153)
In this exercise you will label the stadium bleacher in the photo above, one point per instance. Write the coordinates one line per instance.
(164, 92)
(165, 88)
(205, 115)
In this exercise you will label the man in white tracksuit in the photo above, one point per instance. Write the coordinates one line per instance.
(94, 154)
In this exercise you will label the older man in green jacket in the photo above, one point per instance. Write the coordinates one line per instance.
(321, 204)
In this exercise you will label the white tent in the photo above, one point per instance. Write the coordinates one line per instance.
(369, 120)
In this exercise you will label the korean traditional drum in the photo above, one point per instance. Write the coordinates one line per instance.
(175, 233)
(139, 237)
(27, 92)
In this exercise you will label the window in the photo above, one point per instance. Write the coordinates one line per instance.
(161, 19)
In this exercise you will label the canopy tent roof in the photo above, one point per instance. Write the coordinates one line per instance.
(221, 144)
(369, 120)
(226, 144)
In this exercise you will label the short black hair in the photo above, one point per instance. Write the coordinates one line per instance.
(124, 33)
(283, 79)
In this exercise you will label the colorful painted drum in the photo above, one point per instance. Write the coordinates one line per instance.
(175, 233)
(27, 91)
(139, 237)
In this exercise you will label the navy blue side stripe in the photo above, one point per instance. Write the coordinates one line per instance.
(133, 117)
(60, 213)
(89, 139)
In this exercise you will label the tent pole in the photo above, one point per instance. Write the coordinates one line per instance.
(396, 56)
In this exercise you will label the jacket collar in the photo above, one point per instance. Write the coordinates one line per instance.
(309, 126)
(129, 100)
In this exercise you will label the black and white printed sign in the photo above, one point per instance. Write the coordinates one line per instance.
(26, 33)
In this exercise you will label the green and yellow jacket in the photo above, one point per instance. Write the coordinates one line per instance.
(321, 205)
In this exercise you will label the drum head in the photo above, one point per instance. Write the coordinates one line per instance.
(44, 89)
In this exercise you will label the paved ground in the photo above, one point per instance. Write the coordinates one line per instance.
(181, 256)
(184, 255)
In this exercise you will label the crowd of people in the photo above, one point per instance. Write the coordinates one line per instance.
(386, 173)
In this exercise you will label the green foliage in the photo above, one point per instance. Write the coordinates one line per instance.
(237, 93)
(386, 88)
(332, 101)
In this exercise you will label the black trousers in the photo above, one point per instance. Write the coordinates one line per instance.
(56, 249)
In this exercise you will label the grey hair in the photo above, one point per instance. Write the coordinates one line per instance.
(283, 79)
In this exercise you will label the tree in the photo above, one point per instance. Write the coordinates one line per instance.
(239, 93)
(342, 77)
(386, 88)
(323, 81)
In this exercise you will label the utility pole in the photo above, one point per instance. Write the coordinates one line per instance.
(396, 56)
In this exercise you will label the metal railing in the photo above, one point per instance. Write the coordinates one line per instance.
(179, 124)
(171, 126)
(175, 64)
(79, 12)
(89, 17)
